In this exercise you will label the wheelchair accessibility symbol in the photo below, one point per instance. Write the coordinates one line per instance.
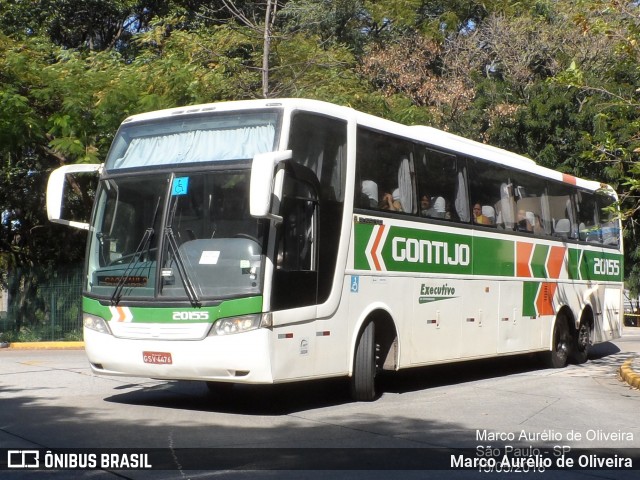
(355, 283)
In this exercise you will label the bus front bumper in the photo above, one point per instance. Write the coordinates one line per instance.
(238, 358)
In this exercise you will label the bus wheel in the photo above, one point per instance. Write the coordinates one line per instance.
(562, 341)
(363, 387)
(581, 343)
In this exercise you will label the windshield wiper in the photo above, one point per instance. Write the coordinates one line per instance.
(117, 293)
(186, 280)
(144, 242)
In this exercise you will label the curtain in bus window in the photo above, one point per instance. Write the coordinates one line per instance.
(198, 146)
(546, 214)
(462, 202)
(405, 185)
(506, 206)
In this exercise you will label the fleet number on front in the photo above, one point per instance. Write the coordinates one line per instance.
(191, 315)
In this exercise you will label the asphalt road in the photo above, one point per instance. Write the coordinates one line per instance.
(50, 401)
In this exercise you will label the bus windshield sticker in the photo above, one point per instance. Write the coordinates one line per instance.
(245, 268)
(209, 257)
(180, 186)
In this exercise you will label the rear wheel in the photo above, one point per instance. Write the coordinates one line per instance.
(562, 341)
(363, 388)
(581, 344)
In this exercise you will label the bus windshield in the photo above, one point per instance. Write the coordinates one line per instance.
(176, 236)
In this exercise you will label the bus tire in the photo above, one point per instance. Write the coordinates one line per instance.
(558, 356)
(581, 343)
(363, 388)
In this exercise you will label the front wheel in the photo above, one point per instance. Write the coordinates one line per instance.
(562, 339)
(363, 380)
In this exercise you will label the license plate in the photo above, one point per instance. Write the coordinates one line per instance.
(157, 358)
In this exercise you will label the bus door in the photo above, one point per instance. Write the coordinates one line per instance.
(294, 291)
(295, 280)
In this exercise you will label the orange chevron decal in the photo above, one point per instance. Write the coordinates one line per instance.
(120, 314)
(523, 257)
(544, 300)
(555, 261)
(376, 248)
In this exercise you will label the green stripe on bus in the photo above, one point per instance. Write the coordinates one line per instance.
(493, 257)
(603, 266)
(573, 262)
(381, 247)
(363, 232)
(155, 314)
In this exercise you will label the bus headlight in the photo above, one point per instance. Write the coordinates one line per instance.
(92, 322)
(231, 325)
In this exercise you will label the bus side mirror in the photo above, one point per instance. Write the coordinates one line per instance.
(55, 191)
(261, 184)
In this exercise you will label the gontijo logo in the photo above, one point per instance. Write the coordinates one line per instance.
(425, 251)
(391, 247)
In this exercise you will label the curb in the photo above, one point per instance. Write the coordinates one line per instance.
(628, 375)
(43, 345)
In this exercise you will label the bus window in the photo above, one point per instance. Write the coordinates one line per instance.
(588, 228)
(491, 194)
(562, 217)
(318, 143)
(609, 226)
(529, 192)
(295, 281)
(386, 170)
(442, 186)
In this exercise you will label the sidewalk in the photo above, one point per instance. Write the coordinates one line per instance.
(43, 345)
(627, 369)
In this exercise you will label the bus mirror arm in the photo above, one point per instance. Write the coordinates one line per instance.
(261, 184)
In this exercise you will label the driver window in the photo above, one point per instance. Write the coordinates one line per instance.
(297, 232)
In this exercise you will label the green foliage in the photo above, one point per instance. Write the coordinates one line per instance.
(556, 81)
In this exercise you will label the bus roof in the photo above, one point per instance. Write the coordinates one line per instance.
(428, 135)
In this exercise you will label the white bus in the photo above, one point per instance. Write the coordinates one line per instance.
(273, 241)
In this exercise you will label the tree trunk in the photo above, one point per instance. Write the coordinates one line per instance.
(267, 48)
